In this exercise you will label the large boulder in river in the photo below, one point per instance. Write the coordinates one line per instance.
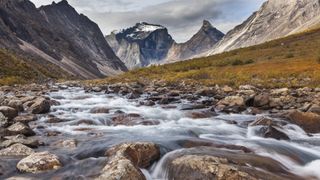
(127, 159)
(16, 150)
(8, 112)
(20, 128)
(39, 162)
(308, 121)
(40, 106)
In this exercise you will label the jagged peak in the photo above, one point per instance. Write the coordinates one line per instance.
(147, 27)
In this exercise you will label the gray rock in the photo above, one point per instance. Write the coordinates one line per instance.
(20, 128)
(8, 112)
(16, 150)
(40, 106)
(25, 118)
(39, 162)
(3, 121)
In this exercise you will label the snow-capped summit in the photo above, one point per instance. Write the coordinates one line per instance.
(141, 45)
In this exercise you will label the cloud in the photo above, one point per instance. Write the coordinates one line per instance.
(183, 18)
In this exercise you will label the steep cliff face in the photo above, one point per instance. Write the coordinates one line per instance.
(141, 45)
(275, 19)
(58, 34)
(201, 42)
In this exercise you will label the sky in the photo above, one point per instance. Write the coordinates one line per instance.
(183, 18)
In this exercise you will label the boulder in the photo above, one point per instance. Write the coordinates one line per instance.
(261, 100)
(68, 143)
(40, 106)
(273, 132)
(314, 109)
(206, 92)
(308, 121)
(227, 89)
(21, 139)
(202, 114)
(16, 150)
(280, 92)
(3, 121)
(8, 112)
(20, 128)
(25, 118)
(39, 162)
(16, 104)
(232, 101)
(263, 121)
(100, 110)
(142, 154)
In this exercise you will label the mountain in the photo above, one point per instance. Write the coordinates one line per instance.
(58, 35)
(275, 19)
(141, 45)
(202, 41)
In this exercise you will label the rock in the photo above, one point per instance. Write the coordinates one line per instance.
(227, 89)
(205, 92)
(174, 93)
(261, 100)
(8, 112)
(127, 159)
(167, 100)
(25, 118)
(16, 104)
(100, 110)
(202, 114)
(133, 95)
(247, 87)
(308, 121)
(232, 101)
(40, 106)
(280, 92)
(39, 162)
(16, 150)
(191, 167)
(273, 132)
(68, 143)
(185, 107)
(21, 139)
(127, 119)
(121, 168)
(263, 121)
(148, 103)
(20, 128)
(142, 154)
(3, 121)
(314, 109)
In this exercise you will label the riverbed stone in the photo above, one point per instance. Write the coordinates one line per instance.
(8, 112)
(25, 118)
(314, 109)
(16, 104)
(21, 139)
(275, 133)
(20, 128)
(263, 121)
(308, 121)
(3, 121)
(100, 110)
(261, 100)
(40, 106)
(16, 150)
(39, 162)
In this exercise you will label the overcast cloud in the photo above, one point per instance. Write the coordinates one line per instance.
(183, 18)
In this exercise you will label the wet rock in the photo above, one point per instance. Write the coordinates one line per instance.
(232, 101)
(54, 103)
(205, 168)
(202, 114)
(100, 110)
(40, 106)
(39, 162)
(53, 119)
(3, 121)
(8, 112)
(209, 92)
(20, 128)
(174, 93)
(201, 143)
(167, 100)
(84, 122)
(314, 109)
(133, 95)
(68, 143)
(208, 163)
(25, 118)
(261, 100)
(21, 139)
(263, 121)
(127, 119)
(16, 150)
(120, 168)
(148, 103)
(273, 132)
(308, 121)
(185, 107)
(141, 154)
(127, 159)
(16, 104)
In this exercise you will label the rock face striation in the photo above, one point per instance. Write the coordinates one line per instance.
(275, 19)
(146, 44)
(57, 34)
(141, 45)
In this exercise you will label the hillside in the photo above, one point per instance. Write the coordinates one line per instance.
(18, 70)
(291, 61)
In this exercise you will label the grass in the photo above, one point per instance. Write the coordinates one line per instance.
(17, 70)
(292, 61)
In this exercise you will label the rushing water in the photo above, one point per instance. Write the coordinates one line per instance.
(300, 155)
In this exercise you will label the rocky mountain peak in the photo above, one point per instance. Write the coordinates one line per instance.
(206, 24)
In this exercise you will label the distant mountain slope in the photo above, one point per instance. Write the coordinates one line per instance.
(293, 61)
(141, 45)
(275, 19)
(58, 34)
(202, 41)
